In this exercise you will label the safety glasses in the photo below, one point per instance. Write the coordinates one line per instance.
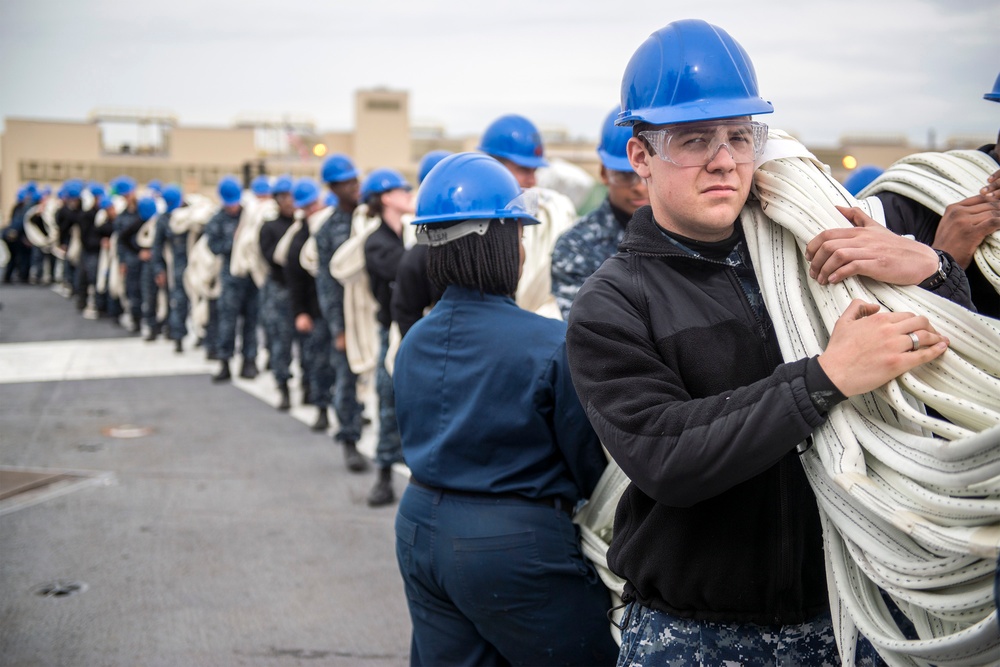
(696, 144)
(626, 178)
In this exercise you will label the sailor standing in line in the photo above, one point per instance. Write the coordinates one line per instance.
(238, 303)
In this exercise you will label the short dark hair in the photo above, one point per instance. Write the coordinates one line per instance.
(642, 127)
(374, 203)
(489, 263)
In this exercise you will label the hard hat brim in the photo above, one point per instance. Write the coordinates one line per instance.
(522, 161)
(695, 111)
(460, 216)
(614, 162)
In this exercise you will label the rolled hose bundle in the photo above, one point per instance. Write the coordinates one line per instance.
(910, 501)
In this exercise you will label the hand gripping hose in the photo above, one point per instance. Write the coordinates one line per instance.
(939, 179)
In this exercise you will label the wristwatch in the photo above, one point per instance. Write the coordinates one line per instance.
(939, 277)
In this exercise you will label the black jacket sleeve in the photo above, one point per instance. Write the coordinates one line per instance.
(414, 292)
(301, 286)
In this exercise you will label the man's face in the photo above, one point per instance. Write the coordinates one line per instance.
(626, 189)
(701, 203)
(525, 175)
(347, 192)
(286, 204)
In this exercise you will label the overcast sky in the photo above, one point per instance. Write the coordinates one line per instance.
(831, 67)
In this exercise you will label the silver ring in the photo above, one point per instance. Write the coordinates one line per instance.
(915, 341)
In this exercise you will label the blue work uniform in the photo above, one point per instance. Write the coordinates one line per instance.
(500, 451)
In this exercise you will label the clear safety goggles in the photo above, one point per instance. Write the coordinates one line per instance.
(627, 178)
(696, 144)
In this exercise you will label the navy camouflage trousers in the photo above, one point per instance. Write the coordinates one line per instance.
(279, 326)
(86, 277)
(345, 398)
(133, 287)
(150, 294)
(179, 302)
(389, 448)
(652, 637)
(238, 301)
(316, 368)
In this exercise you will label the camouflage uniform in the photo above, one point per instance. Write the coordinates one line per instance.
(179, 303)
(239, 296)
(330, 236)
(652, 637)
(581, 250)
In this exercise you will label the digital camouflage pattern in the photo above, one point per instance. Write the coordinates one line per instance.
(581, 250)
(651, 637)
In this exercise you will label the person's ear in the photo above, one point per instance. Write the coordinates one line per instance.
(638, 157)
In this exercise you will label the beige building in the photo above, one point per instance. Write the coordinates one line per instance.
(153, 145)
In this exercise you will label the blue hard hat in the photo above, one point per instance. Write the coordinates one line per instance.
(688, 71)
(614, 140)
(305, 192)
(146, 208)
(428, 161)
(261, 185)
(469, 186)
(73, 188)
(282, 184)
(156, 185)
(172, 196)
(514, 138)
(861, 178)
(338, 167)
(97, 189)
(229, 190)
(104, 201)
(123, 185)
(994, 95)
(383, 180)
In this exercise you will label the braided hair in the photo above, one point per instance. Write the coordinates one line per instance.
(490, 263)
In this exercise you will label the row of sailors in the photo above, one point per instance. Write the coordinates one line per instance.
(334, 272)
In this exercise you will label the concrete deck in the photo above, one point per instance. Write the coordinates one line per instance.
(184, 523)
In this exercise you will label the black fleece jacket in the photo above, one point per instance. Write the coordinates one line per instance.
(685, 384)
